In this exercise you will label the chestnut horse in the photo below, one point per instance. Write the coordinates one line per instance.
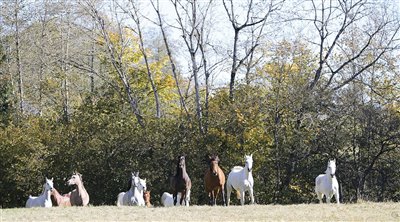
(181, 183)
(214, 180)
(60, 200)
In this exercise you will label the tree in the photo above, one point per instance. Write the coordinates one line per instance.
(116, 55)
(134, 14)
(251, 19)
(169, 53)
(333, 20)
(192, 35)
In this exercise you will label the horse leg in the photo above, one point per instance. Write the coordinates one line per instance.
(242, 193)
(251, 195)
(320, 196)
(337, 196)
(183, 198)
(188, 197)
(215, 195)
(210, 198)
(228, 194)
(328, 198)
(223, 195)
(174, 197)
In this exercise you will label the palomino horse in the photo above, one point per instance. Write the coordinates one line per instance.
(167, 199)
(44, 199)
(79, 196)
(241, 179)
(134, 196)
(214, 180)
(327, 184)
(60, 200)
(146, 197)
(181, 183)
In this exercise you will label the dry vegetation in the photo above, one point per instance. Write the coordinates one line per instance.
(305, 212)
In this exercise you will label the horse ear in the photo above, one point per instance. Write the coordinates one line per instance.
(251, 155)
(52, 179)
(137, 174)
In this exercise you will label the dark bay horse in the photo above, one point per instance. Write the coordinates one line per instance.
(181, 183)
(214, 180)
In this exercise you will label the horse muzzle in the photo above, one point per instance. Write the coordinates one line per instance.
(332, 175)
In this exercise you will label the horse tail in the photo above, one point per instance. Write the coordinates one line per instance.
(120, 199)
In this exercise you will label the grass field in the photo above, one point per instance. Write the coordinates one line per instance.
(303, 212)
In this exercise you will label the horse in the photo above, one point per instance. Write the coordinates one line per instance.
(44, 200)
(181, 183)
(241, 179)
(327, 184)
(79, 196)
(146, 197)
(134, 196)
(214, 180)
(167, 199)
(60, 200)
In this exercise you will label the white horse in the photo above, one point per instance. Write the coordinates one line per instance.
(241, 179)
(327, 184)
(134, 196)
(44, 200)
(167, 199)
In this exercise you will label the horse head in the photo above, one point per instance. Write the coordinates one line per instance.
(249, 162)
(142, 184)
(181, 162)
(214, 160)
(75, 179)
(134, 180)
(49, 186)
(331, 169)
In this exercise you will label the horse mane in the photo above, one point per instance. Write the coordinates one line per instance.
(237, 168)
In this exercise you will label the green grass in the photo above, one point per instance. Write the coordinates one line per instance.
(302, 212)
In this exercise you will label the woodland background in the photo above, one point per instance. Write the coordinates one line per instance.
(114, 86)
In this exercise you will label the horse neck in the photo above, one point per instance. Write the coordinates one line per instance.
(56, 194)
(181, 171)
(328, 175)
(137, 191)
(47, 194)
(80, 188)
(246, 172)
(212, 165)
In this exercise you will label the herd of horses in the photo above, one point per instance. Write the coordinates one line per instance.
(240, 179)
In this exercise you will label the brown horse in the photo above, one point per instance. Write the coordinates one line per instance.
(181, 183)
(79, 196)
(60, 200)
(214, 180)
(146, 196)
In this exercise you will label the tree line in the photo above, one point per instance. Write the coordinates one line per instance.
(111, 87)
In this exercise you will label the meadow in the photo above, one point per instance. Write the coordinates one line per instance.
(304, 212)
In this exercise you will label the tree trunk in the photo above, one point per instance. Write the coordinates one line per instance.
(18, 57)
(65, 70)
(171, 61)
(142, 49)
